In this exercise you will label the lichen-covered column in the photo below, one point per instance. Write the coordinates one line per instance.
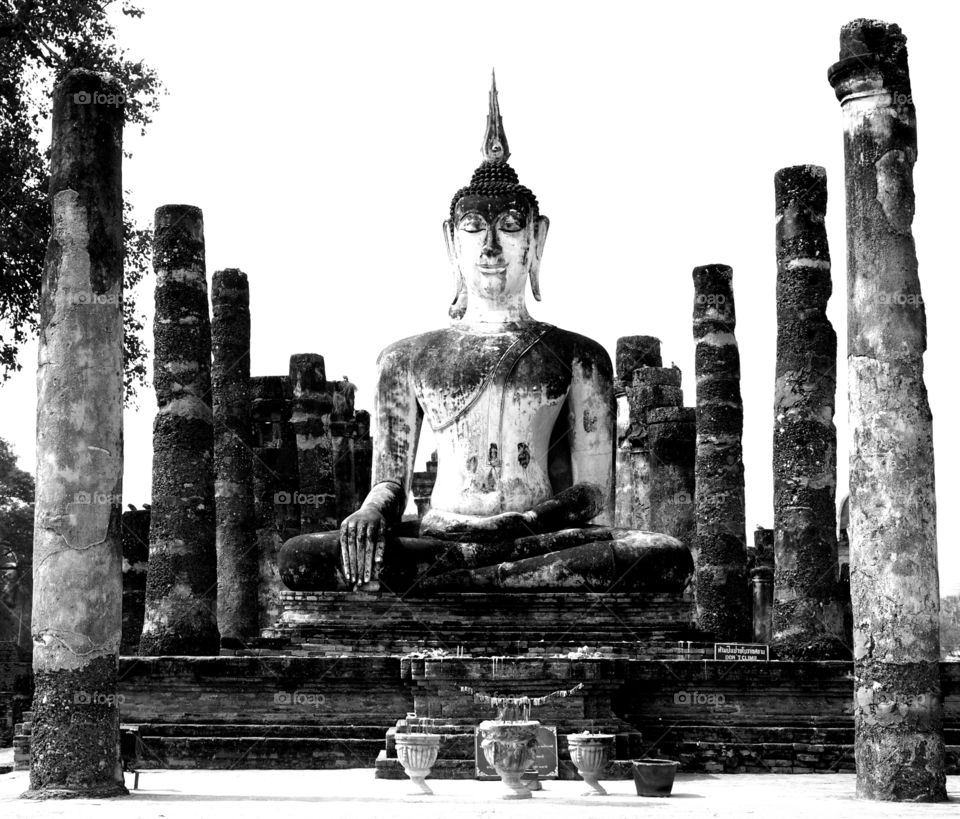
(721, 583)
(181, 609)
(276, 518)
(898, 709)
(77, 574)
(311, 402)
(807, 617)
(237, 569)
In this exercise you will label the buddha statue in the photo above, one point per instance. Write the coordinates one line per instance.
(523, 414)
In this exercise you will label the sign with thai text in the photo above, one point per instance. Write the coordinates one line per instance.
(544, 756)
(759, 652)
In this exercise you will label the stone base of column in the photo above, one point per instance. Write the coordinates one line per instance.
(76, 711)
(899, 735)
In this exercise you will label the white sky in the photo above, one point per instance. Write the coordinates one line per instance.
(324, 141)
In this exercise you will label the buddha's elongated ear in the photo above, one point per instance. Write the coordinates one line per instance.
(539, 240)
(459, 305)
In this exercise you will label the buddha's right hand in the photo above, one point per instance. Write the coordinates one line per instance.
(362, 540)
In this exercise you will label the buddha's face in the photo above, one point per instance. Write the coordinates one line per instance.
(496, 242)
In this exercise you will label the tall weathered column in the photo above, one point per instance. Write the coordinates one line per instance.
(311, 402)
(721, 583)
(181, 607)
(77, 574)
(807, 617)
(237, 569)
(893, 538)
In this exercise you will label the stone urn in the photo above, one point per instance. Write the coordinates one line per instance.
(509, 746)
(654, 777)
(417, 753)
(590, 753)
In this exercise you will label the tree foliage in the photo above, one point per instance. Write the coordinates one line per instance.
(40, 40)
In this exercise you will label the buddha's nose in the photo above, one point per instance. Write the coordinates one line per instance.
(491, 244)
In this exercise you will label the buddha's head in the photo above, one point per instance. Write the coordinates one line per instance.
(495, 234)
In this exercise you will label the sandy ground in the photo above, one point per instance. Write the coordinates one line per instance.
(327, 794)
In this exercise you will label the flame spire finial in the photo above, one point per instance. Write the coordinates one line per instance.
(495, 148)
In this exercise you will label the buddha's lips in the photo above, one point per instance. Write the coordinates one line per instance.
(492, 270)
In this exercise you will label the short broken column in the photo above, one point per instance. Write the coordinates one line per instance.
(237, 569)
(181, 609)
(77, 574)
(898, 709)
(807, 616)
(274, 484)
(632, 508)
(343, 432)
(317, 497)
(721, 585)
(761, 583)
(135, 524)
(363, 456)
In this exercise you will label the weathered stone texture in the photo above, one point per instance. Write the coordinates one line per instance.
(135, 525)
(311, 402)
(808, 620)
(237, 565)
(180, 615)
(274, 483)
(78, 579)
(893, 545)
(655, 443)
(721, 584)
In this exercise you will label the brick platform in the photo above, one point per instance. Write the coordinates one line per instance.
(320, 623)
(311, 712)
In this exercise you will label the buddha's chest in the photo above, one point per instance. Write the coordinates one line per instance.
(491, 386)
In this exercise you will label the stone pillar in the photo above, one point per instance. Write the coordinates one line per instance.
(276, 517)
(722, 591)
(342, 429)
(760, 564)
(807, 617)
(632, 506)
(237, 567)
(135, 524)
(898, 710)
(761, 582)
(423, 483)
(181, 607)
(672, 446)
(311, 401)
(363, 456)
(77, 574)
